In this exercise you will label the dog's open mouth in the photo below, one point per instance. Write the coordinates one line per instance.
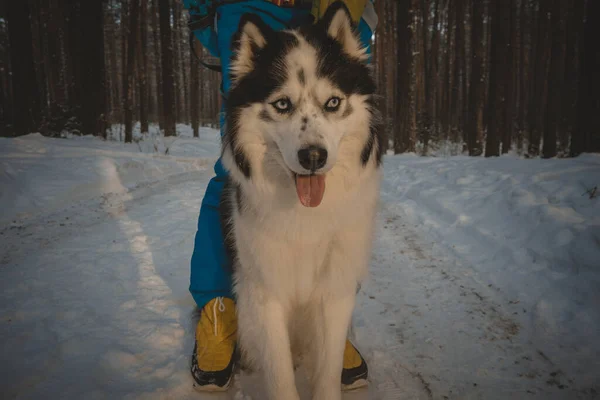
(310, 189)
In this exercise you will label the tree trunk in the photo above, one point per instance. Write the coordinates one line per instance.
(177, 61)
(464, 71)
(507, 133)
(458, 51)
(92, 70)
(498, 66)
(158, 66)
(391, 62)
(195, 93)
(114, 71)
(475, 123)
(143, 68)
(70, 20)
(523, 65)
(201, 90)
(167, 67)
(431, 78)
(555, 75)
(184, 46)
(125, 16)
(538, 97)
(25, 94)
(573, 28)
(426, 110)
(38, 20)
(404, 141)
(586, 135)
(379, 56)
(446, 80)
(128, 89)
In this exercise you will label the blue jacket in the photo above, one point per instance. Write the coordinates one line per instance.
(210, 274)
(216, 37)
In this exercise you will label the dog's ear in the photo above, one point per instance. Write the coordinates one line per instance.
(252, 36)
(339, 26)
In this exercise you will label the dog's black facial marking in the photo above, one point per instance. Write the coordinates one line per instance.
(348, 111)
(351, 76)
(302, 77)
(239, 198)
(256, 85)
(377, 130)
(376, 137)
(379, 134)
(304, 123)
(265, 116)
(242, 162)
(365, 155)
(349, 73)
(230, 139)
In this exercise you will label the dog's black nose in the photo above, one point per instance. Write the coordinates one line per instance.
(312, 157)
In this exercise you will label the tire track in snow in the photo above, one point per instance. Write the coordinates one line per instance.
(46, 228)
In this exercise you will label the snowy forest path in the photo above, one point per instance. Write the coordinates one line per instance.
(94, 300)
(94, 304)
(426, 313)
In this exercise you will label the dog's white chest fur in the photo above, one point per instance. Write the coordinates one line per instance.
(285, 246)
(288, 254)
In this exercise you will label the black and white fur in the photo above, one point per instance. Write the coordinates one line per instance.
(296, 268)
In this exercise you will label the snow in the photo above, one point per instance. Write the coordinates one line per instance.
(484, 280)
(519, 241)
(39, 174)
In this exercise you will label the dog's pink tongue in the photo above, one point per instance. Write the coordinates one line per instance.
(310, 189)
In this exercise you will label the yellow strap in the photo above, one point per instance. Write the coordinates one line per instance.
(356, 8)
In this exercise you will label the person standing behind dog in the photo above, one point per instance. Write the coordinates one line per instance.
(214, 23)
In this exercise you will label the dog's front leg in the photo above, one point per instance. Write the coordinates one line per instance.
(264, 335)
(347, 265)
(334, 323)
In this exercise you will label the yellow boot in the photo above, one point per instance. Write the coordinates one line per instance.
(355, 372)
(214, 351)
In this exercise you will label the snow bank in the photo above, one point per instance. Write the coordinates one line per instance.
(526, 227)
(39, 174)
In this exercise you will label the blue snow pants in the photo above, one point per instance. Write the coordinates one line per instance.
(210, 275)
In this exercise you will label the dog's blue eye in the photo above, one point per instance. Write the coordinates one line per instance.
(333, 104)
(283, 105)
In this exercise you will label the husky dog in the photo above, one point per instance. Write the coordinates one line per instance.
(303, 149)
